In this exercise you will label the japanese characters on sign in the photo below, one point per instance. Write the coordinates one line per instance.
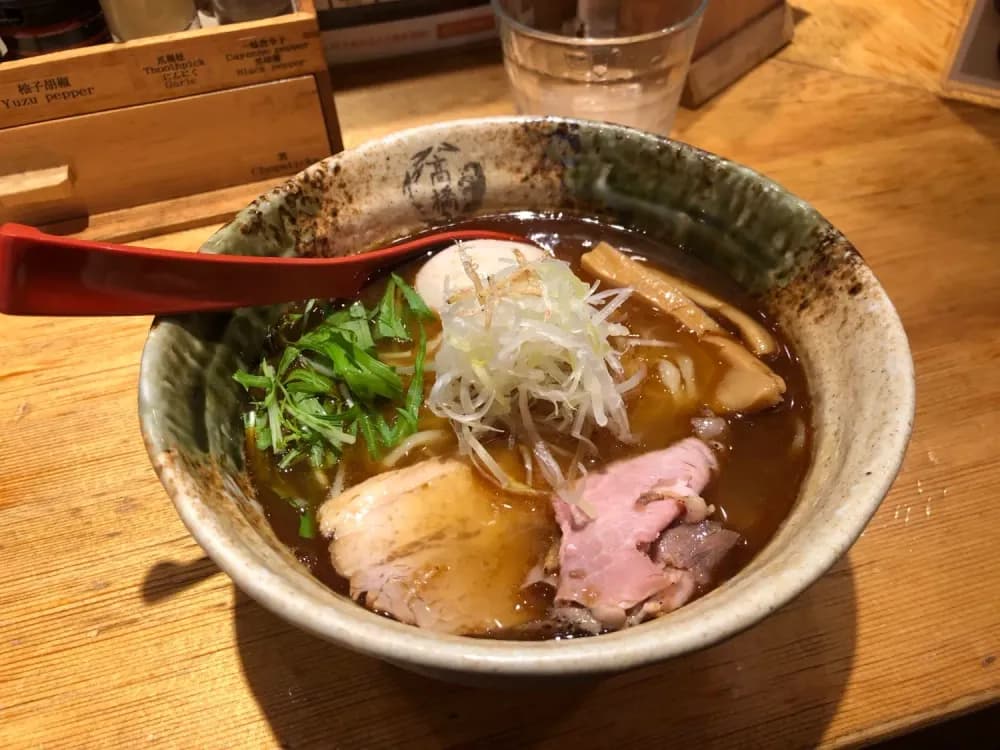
(271, 53)
(175, 69)
(39, 91)
(152, 72)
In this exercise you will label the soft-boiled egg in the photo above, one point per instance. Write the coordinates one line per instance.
(443, 275)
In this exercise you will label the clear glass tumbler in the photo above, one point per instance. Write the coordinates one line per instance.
(621, 61)
(133, 19)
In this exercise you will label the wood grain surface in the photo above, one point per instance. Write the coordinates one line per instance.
(123, 74)
(197, 143)
(115, 631)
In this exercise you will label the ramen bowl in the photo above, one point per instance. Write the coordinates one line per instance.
(804, 272)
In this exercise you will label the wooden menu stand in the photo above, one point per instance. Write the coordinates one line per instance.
(99, 129)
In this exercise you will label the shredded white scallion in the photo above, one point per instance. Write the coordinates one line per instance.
(529, 352)
(633, 382)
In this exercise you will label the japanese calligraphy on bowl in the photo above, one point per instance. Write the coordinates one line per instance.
(442, 185)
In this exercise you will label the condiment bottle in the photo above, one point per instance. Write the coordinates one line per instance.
(132, 19)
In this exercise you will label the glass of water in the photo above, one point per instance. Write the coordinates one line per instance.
(621, 61)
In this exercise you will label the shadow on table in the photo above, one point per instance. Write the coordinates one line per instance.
(778, 684)
(971, 731)
(799, 14)
(982, 119)
(167, 578)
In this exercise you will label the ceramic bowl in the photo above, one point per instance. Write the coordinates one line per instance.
(808, 276)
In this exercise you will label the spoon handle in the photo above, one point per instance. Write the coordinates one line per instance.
(42, 274)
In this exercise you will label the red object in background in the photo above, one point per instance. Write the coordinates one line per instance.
(41, 274)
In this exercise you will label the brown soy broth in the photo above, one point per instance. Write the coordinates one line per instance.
(284, 519)
(760, 471)
(760, 475)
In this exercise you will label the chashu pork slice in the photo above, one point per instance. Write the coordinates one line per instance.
(435, 546)
(605, 557)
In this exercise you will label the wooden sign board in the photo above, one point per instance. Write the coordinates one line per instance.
(102, 128)
(973, 69)
(107, 76)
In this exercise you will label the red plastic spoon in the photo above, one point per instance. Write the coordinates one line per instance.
(41, 274)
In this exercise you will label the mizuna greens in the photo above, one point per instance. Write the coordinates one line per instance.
(328, 387)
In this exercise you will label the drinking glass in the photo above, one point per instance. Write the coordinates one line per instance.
(133, 19)
(621, 61)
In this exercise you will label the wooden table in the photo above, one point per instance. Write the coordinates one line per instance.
(116, 630)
